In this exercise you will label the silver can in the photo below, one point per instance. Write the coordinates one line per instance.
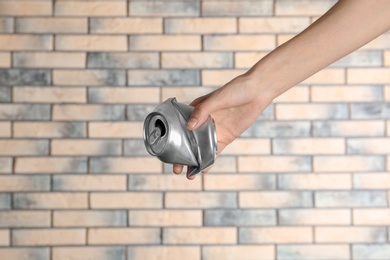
(167, 137)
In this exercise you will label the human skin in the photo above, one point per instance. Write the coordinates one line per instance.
(347, 26)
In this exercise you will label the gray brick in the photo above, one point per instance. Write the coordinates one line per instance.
(240, 217)
(5, 165)
(311, 252)
(90, 218)
(73, 129)
(5, 94)
(369, 58)
(350, 199)
(138, 112)
(135, 147)
(123, 60)
(164, 8)
(338, 128)
(370, 111)
(5, 201)
(25, 253)
(10, 77)
(237, 8)
(113, 112)
(164, 77)
(6, 25)
(24, 112)
(371, 252)
(278, 129)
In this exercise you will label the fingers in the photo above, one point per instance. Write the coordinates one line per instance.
(177, 168)
(188, 174)
(204, 106)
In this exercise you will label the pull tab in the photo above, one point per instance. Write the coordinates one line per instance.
(155, 136)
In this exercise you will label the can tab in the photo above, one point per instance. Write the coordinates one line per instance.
(155, 136)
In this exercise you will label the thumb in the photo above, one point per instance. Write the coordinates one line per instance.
(201, 113)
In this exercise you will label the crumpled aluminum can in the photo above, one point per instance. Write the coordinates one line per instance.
(167, 137)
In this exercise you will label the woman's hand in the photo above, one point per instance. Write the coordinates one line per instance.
(234, 108)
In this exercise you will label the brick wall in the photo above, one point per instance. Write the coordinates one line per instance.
(309, 180)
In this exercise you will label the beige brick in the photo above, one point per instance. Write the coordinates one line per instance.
(184, 95)
(248, 146)
(52, 25)
(89, 182)
(86, 147)
(100, 8)
(196, 60)
(163, 182)
(273, 25)
(124, 200)
(24, 253)
(311, 111)
(239, 42)
(23, 147)
(296, 94)
(219, 77)
(317, 217)
(350, 234)
(368, 76)
(25, 8)
(49, 60)
(245, 60)
(24, 183)
(310, 252)
(164, 252)
(386, 58)
(126, 165)
(381, 42)
(238, 182)
(304, 7)
(6, 165)
(165, 43)
(45, 237)
(115, 129)
(50, 165)
(91, 43)
(346, 94)
(348, 163)
(124, 95)
(88, 77)
(369, 146)
(5, 129)
(49, 95)
(164, 218)
(24, 218)
(52, 200)
(283, 38)
(48, 129)
(308, 146)
(224, 164)
(88, 112)
(275, 199)
(264, 252)
(279, 235)
(371, 181)
(200, 25)
(327, 76)
(200, 200)
(5, 59)
(89, 218)
(87, 252)
(371, 217)
(387, 93)
(337, 181)
(4, 238)
(274, 164)
(126, 25)
(12, 42)
(203, 235)
(362, 128)
(123, 236)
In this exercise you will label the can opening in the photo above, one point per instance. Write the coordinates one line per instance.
(160, 125)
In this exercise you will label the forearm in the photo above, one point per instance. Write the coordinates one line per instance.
(347, 26)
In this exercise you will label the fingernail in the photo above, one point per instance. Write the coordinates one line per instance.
(192, 123)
